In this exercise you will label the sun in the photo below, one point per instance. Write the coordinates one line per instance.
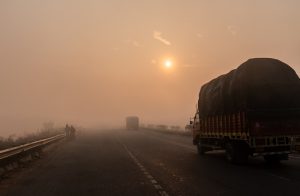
(168, 63)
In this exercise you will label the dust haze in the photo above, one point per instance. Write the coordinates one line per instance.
(92, 63)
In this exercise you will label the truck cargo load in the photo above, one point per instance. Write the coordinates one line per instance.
(257, 84)
(252, 110)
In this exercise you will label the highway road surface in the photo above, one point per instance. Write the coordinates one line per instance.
(120, 162)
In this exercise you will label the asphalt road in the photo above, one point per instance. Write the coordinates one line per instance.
(120, 162)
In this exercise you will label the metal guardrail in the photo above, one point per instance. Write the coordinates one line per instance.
(11, 152)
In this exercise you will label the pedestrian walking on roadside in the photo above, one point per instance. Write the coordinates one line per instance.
(72, 132)
(67, 131)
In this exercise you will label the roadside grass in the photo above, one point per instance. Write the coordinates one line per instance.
(13, 141)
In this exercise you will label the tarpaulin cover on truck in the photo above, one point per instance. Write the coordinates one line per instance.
(257, 84)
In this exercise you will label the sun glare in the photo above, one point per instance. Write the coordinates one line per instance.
(168, 63)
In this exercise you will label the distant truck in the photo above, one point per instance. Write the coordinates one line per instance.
(252, 110)
(132, 123)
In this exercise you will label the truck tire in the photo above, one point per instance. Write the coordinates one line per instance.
(230, 152)
(201, 149)
(236, 152)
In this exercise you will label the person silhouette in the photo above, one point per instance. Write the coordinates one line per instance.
(67, 130)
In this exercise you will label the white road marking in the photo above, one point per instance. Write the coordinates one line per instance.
(153, 181)
(158, 187)
(146, 173)
(149, 176)
(163, 193)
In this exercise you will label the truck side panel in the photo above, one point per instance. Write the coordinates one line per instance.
(233, 126)
(238, 127)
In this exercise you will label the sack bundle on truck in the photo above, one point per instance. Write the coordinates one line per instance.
(252, 110)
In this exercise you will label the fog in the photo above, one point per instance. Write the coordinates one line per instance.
(92, 63)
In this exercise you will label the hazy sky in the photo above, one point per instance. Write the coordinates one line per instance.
(93, 62)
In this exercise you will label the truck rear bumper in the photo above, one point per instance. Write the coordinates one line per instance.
(273, 145)
(259, 151)
(270, 153)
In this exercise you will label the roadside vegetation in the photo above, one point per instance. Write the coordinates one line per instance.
(46, 131)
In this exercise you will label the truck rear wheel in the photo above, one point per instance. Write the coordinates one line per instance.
(230, 152)
(201, 149)
(236, 152)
